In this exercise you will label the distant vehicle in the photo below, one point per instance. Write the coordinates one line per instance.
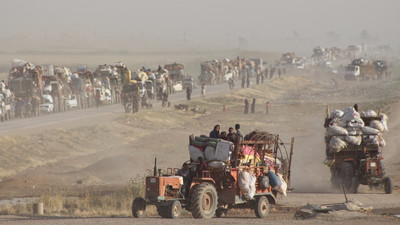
(48, 105)
(362, 72)
(105, 94)
(71, 103)
(299, 66)
(177, 86)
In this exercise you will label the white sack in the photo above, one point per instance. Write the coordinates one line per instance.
(356, 122)
(355, 140)
(377, 125)
(338, 122)
(382, 142)
(370, 113)
(244, 182)
(247, 184)
(283, 188)
(336, 130)
(252, 191)
(369, 130)
(384, 120)
(354, 131)
(349, 114)
(336, 114)
(336, 145)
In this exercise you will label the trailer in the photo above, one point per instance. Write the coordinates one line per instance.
(221, 186)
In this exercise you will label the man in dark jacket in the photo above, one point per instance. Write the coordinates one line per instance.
(215, 133)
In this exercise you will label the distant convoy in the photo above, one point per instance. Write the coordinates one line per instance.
(31, 89)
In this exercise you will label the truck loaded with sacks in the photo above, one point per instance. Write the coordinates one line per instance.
(221, 175)
(354, 142)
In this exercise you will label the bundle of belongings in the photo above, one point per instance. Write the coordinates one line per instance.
(251, 156)
(216, 152)
(348, 127)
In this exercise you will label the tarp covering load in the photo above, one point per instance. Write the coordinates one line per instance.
(349, 127)
(212, 149)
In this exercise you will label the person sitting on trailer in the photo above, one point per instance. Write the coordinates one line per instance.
(215, 132)
(231, 136)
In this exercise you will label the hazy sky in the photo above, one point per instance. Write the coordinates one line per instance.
(203, 21)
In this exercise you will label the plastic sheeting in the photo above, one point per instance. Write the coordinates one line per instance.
(247, 184)
(195, 153)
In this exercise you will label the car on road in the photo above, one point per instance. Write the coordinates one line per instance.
(177, 86)
(71, 103)
(48, 105)
(299, 66)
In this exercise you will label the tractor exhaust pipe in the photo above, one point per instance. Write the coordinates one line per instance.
(155, 167)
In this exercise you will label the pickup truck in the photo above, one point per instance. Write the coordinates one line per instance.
(71, 102)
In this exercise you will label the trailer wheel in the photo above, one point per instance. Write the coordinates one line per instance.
(348, 178)
(139, 207)
(388, 185)
(175, 210)
(262, 207)
(204, 201)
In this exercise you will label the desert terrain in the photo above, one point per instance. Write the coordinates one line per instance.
(105, 150)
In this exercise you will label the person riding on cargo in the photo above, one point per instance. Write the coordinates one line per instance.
(223, 135)
(215, 132)
(231, 136)
(238, 132)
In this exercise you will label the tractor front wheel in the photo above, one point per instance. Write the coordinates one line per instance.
(262, 207)
(175, 210)
(204, 201)
(139, 207)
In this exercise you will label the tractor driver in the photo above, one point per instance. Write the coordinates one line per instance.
(184, 172)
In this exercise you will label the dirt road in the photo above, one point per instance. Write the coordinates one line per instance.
(112, 147)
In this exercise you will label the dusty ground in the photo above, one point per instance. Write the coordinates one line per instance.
(111, 149)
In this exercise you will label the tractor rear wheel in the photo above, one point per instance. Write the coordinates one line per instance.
(349, 180)
(262, 207)
(204, 201)
(388, 185)
(139, 207)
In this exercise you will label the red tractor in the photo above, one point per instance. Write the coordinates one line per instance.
(215, 190)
